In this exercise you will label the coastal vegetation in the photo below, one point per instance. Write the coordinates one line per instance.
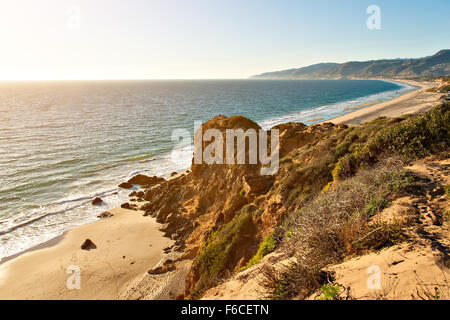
(323, 206)
(220, 247)
(265, 247)
(327, 226)
(337, 224)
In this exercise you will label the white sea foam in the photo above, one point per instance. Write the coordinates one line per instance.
(31, 226)
(327, 112)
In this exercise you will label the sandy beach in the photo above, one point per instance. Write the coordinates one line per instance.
(127, 245)
(411, 102)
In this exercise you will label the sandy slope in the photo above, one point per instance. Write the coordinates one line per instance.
(416, 269)
(128, 245)
(409, 270)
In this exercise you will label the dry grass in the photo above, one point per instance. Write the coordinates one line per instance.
(336, 224)
(432, 291)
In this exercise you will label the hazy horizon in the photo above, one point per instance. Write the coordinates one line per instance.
(249, 77)
(180, 40)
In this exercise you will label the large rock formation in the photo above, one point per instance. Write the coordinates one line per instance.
(207, 198)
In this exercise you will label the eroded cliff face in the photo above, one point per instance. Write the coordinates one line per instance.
(226, 219)
(196, 207)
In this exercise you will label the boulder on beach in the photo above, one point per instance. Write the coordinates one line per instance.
(88, 245)
(125, 205)
(167, 266)
(105, 214)
(144, 180)
(139, 194)
(173, 174)
(97, 201)
(129, 206)
(125, 185)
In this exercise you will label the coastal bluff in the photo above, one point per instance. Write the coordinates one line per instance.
(235, 229)
(344, 198)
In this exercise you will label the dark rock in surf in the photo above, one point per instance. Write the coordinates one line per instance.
(97, 201)
(125, 185)
(143, 180)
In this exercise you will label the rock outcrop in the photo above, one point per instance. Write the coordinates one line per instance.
(210, 196)
(228, 219)
(144, 180)
(125, 185)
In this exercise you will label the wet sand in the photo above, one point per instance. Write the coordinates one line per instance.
(415, 101)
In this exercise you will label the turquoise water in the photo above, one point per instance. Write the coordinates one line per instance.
(63, 143)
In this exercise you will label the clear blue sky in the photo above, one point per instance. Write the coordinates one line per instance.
(42, 39)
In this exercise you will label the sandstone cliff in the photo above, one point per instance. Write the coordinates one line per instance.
(317, 210)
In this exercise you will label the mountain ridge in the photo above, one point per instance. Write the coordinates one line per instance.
(429, 66)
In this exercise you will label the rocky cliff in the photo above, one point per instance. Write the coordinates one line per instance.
(226, 218)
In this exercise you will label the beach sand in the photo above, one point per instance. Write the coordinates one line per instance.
(415, 101)
(128, 245)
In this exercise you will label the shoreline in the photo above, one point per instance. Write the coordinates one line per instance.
(127, 245)
(46, 244)
(322, 113)
(414, 101)
(52, 257)
(316, 120)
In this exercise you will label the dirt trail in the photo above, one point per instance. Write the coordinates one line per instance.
(416, 269)
(432, 205)
(420, 267)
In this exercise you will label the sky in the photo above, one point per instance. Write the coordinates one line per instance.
(207, 39)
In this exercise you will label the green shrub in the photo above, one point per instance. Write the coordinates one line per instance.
(329, 292)
(215, 257)
(337, 224)
(299, 194)
(447, 190)
(417, 137)
(345, 167)
(375, 205)
(350, 163)
(327, 186)
(289, 233)
(381, 235)
(342, 148)
(301, 184)
(413, 139)
(265, 247)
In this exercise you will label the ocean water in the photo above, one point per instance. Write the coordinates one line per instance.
(63, 143)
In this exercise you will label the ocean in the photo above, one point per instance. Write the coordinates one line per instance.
(64, 143)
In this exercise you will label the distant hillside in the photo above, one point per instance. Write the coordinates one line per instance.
(432, 66)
